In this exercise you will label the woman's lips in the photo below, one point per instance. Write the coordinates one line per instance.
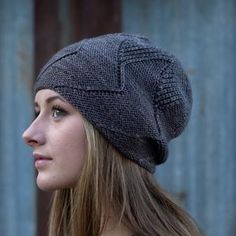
(41, 161)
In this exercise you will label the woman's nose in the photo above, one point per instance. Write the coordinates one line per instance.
(32, 136)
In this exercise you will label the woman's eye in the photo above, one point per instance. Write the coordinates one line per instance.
(58, 112)
(36, 113)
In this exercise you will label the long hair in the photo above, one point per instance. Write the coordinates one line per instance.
(112, 185)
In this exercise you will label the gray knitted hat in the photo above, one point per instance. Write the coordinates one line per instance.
(136, 95)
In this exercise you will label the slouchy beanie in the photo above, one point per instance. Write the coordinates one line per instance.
(135, 94)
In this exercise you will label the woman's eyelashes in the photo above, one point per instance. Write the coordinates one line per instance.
(56, 112)
(36, 113)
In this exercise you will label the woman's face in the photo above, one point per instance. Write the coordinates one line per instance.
(58, 139)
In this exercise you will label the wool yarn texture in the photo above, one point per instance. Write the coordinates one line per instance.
(134, 93)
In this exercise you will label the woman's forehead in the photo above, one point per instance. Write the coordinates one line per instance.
(44, 93)
(47, 95)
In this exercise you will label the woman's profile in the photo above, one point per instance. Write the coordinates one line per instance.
(106, 108)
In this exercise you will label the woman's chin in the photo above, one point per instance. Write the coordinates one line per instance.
(51, 183)
(45, 184)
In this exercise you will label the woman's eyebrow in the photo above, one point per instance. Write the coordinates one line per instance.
(50, 99)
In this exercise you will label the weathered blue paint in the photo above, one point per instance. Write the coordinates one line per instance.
(201, 169)
(17, 191)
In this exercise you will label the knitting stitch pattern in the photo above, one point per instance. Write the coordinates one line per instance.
(135, 94)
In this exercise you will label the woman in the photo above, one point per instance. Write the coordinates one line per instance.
(106, 107)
